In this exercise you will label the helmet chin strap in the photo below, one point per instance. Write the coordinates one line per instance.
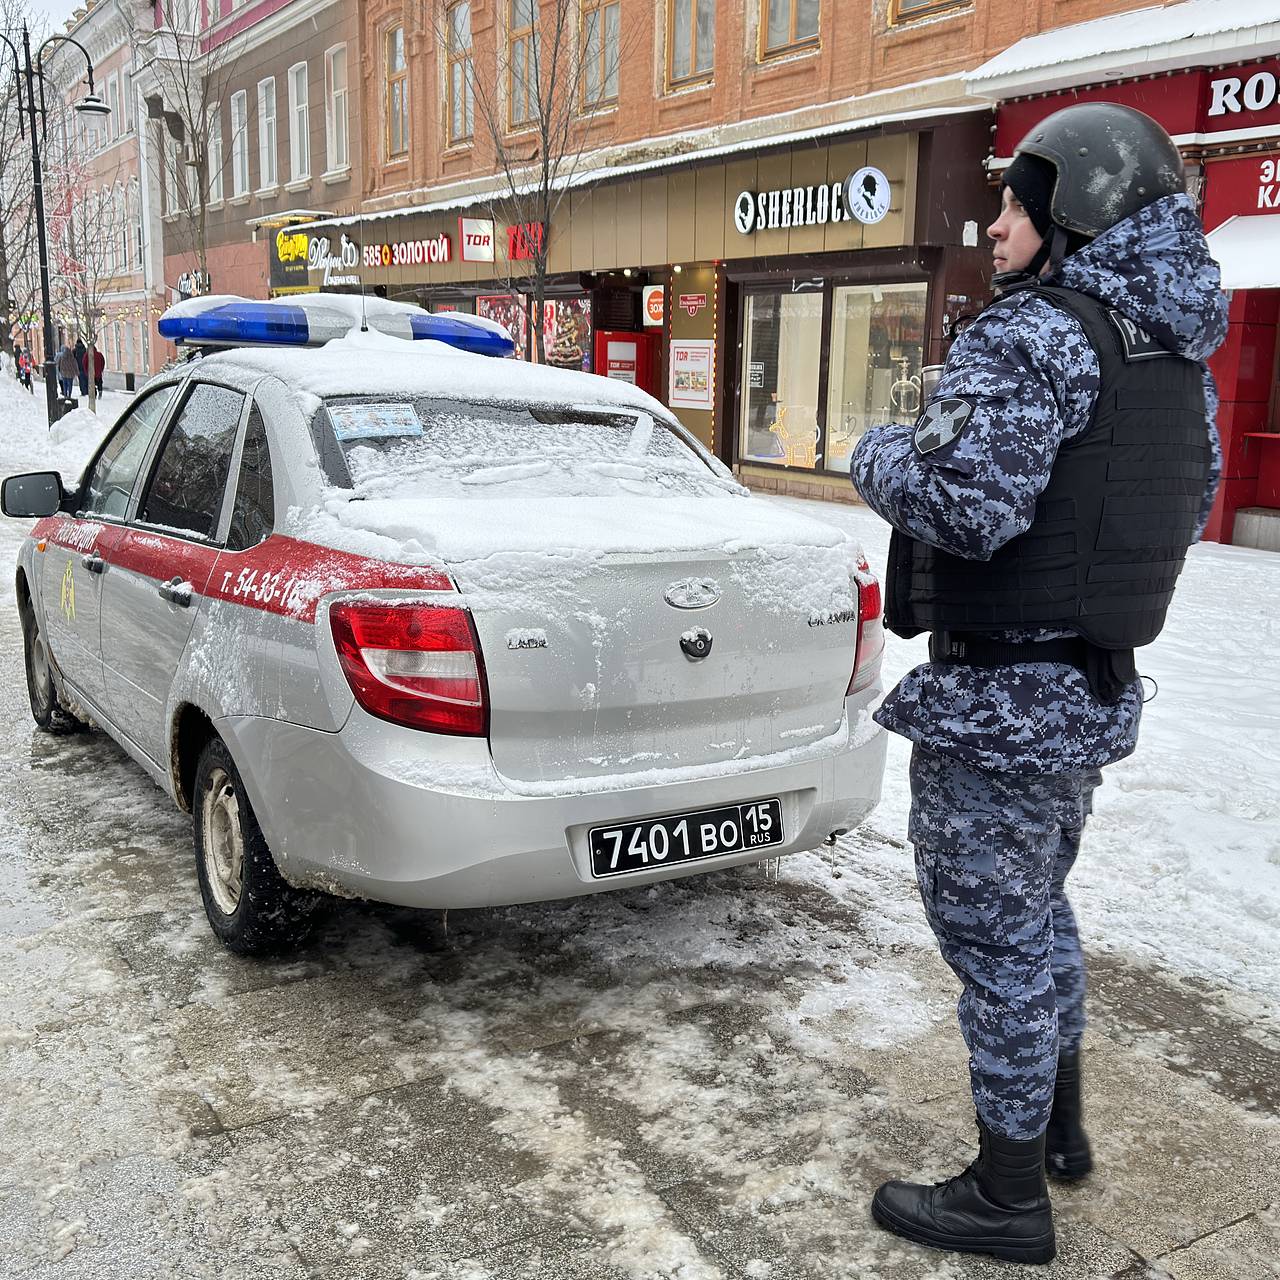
(1052, 250)
(1059, 247)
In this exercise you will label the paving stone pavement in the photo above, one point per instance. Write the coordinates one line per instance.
(703, 1081)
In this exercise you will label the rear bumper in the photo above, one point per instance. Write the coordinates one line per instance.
(424, 821)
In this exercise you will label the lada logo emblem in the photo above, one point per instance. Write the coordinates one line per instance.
(692, 593)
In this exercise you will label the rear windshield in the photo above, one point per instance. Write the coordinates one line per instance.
(420, 447)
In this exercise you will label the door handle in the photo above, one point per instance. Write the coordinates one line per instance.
(94, 563)
(175, 591)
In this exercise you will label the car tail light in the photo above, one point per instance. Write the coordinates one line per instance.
(416, 665)
(866, 666)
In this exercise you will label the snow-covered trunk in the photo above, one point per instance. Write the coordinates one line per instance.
(593, 671)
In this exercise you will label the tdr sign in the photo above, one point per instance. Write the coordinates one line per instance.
(475, 235)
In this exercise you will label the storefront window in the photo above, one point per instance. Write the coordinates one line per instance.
(781, 355)
(877, 345)
(508, 309)
(566, 326)
(566, 332)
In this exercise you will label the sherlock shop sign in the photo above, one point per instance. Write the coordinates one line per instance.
(863, 196)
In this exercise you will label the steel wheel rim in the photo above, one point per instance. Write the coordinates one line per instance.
(223, 849)
(41, 676)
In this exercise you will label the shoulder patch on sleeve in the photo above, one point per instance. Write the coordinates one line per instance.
(942, 423)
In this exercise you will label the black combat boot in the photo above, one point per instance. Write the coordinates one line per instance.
(1066, 1149)
(999, 1205)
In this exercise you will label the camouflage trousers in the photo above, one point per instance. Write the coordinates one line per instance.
(992, 855)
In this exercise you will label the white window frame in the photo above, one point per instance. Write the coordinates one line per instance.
(172, 175)
(126, 98)
(115, 126)
(213, 154)
(299, 123)
(120, 216)
(135, 225)
(239, 144)
(268, 178)
(337, 124)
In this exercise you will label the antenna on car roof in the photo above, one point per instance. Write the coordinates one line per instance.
(364, 320)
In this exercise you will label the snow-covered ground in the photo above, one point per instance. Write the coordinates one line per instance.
(1182, 859)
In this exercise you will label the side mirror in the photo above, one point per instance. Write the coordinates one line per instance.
(39, 493)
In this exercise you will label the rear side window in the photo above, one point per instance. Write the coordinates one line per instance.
(254, 514)
(190, 477)
(111, 480)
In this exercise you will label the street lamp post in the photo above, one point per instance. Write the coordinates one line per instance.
(90, 105)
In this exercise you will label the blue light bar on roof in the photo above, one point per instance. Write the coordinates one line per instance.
(462, 333)
(311, 320)
(239, 323)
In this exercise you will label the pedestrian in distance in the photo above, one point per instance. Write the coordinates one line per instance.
(99, 364)
(82, 366)
(67, 369)
(23, 362)
(1042, 506)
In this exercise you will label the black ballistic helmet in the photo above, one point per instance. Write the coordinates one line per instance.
(1110, 160)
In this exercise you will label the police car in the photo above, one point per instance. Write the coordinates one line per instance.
(396, 618)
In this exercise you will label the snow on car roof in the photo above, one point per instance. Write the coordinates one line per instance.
(376, 364)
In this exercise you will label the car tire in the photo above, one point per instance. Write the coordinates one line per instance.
(251, 908)
(46, 708)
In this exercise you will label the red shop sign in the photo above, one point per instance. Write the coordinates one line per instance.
(524, 239)
(1245, 185)
(1199, 100)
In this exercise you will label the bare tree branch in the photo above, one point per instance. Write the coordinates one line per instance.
(536, 179)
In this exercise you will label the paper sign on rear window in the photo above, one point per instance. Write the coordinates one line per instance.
(373, 421)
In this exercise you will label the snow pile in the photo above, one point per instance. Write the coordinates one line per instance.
(28, 444)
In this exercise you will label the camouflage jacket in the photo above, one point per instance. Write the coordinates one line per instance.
(1032, 376)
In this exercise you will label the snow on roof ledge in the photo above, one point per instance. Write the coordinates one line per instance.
(1192, 33)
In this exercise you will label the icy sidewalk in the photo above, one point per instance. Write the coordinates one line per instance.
(1181, 861)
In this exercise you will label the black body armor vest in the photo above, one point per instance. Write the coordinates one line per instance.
(1112, 527)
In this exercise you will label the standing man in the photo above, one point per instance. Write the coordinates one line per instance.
(1042, 506)
(82, 366)
(66, 366)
